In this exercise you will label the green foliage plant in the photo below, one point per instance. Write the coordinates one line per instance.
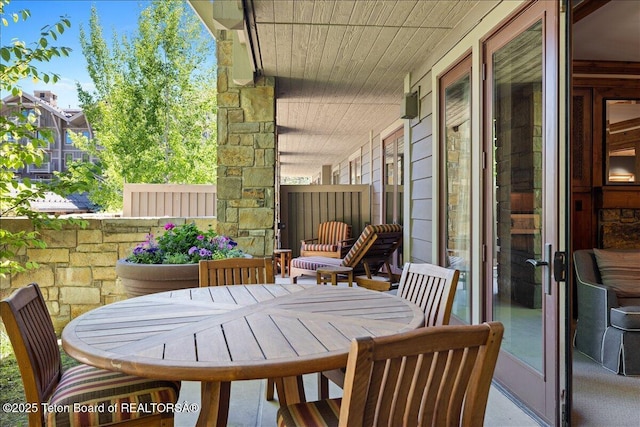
(23, 144)
(184, 244)
(153, 109)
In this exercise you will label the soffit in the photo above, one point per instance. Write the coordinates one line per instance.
(340, 64)
(340, 67)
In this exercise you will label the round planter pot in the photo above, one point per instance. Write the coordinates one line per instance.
(143, 279)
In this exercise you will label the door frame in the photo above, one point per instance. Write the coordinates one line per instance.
(539, 391)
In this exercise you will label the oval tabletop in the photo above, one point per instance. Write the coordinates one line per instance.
(227, 333)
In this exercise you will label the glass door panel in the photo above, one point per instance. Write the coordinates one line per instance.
(521, 207)
(456, 113)
(393, 161)
(517, 191)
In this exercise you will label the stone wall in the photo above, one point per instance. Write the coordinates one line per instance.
(246, 156)
(77, 268)
(619, 228)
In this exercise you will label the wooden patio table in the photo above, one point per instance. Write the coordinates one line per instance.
(221, 334)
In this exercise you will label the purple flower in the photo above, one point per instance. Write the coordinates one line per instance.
(205, 252)
(192, 249)
(169, 226)
(200, 237)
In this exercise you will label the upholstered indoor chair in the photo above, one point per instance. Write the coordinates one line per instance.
(330, 241)
(436, 376)
(430, 287)
(236, 271)
(369, 256)
(34, 342)
(608, 303)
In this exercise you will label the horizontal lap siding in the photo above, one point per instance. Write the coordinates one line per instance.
(421, 175)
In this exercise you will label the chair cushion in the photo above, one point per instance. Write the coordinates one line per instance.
(626, 318)
(323, 413)
(620, 270)
(113, 396)
(332, 232)
(319, 247)
(314, 262)
(368, 231)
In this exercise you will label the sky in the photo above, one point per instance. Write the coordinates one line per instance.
(118, 15)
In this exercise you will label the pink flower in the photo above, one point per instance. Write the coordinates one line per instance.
(169, 226)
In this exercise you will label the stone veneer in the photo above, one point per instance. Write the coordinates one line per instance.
(77, 268)
(619, 228)
(246, 156)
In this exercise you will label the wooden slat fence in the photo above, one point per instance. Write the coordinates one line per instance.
(303, 207)
(176, 200)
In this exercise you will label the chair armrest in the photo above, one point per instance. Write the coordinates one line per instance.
(595, 301)
(302, 242)
(344, 246)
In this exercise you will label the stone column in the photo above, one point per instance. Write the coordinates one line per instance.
(246, 156)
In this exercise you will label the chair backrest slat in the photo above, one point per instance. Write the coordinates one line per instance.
(430, 376)
(430, 287)
(236, 271)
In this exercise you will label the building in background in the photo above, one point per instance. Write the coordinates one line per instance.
(61, 152)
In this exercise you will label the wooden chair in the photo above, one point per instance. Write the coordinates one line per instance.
(331, 238)
(240, 271)
(34, 342)
(369, 255)
(430, 287)
(236, 271)
(436, 376)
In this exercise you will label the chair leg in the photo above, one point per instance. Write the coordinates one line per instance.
(271, 386)
(323, 387)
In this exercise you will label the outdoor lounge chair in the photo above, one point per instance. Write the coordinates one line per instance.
(331, 238)
(99, 391)
(436, 376)
(430, 287)
(368, 255)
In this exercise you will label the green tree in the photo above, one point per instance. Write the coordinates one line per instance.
(154, 105)
(22, 143)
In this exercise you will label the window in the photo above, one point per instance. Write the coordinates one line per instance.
(393, 164)
(455, 146)
(335, 176)
(68, 159)
(31, 115)
(67, 139)
(355, 170)
(85, 157)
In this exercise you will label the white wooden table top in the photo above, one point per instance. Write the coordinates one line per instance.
(228, 333)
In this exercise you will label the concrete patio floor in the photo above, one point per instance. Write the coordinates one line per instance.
(249, 407)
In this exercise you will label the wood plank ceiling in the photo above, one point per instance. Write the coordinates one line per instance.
(340, 66)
